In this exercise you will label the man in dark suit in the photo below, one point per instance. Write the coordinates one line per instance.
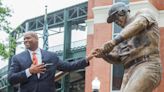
(34, 68)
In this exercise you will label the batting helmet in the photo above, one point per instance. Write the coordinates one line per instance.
(119, 8)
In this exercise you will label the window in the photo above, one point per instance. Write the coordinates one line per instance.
(117, 70)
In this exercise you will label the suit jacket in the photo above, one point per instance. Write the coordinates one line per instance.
(22, 61)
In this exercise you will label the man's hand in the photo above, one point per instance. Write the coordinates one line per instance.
(89, 57)
(108, 47)
(34, 69)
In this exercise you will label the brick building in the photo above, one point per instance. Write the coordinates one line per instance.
(99, 32)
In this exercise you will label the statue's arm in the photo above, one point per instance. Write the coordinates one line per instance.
(134, 28)
(111, 58)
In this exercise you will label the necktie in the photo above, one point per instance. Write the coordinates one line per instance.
(34, 58)
(35, 61)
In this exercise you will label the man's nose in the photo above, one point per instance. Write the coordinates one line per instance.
(25, 40)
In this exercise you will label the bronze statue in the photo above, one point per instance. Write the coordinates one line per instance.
(136, 47)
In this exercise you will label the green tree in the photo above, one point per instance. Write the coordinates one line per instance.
(4, 26)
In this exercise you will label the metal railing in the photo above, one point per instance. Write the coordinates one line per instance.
(74, 44)
(3, 82)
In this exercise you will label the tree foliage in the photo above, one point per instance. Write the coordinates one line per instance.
(12, 45)
(4, 13)
(4, 26)
(3, 51)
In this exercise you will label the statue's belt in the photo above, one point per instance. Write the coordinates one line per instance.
(137, 61)
(141, 59)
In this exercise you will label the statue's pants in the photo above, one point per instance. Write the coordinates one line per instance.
(143, 77)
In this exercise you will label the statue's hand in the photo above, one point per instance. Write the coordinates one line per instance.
(108, 47)
(98, 53)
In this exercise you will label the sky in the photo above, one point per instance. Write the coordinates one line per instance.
(22, 10)
(26, 9)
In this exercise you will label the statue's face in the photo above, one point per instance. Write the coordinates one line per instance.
(121, 21)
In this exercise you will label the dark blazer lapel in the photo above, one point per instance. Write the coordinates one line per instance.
(28, 58)
(43, 61)
(43, 56)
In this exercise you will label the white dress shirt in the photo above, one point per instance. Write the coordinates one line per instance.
(39, 57)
